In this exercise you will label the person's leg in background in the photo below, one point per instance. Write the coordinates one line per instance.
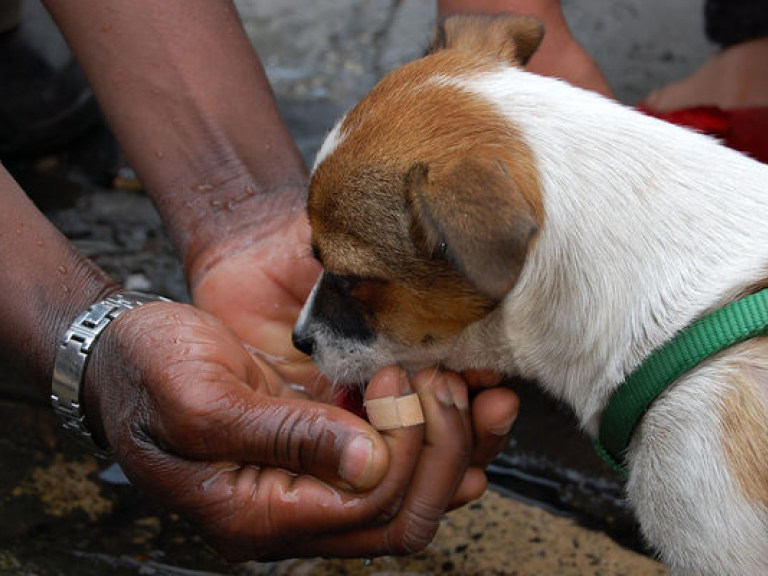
(727, 97)
(735, 77)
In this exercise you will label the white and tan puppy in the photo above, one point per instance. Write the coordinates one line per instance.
(469, 214)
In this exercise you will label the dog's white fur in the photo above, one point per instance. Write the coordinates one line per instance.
(647, 227)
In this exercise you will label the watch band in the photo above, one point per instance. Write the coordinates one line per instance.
(72, 358)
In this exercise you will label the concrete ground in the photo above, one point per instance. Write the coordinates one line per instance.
(62, 513)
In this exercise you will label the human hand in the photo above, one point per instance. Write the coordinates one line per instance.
(256, 284)
(216, 435)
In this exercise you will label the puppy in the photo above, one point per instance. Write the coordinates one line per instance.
(469, 214)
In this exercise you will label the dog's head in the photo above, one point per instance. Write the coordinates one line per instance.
(424, 202)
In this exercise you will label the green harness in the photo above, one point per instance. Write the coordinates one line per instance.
(738, 321)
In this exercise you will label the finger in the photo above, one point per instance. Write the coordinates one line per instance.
(244, 511)
(442, 463)
(493, 413)
(472, 487)
(204, 412)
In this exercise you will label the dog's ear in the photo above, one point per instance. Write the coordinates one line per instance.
(474, 215)
(511, 39)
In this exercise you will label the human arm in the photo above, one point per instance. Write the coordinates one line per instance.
(192, 108)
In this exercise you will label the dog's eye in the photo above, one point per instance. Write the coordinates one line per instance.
(440, 250)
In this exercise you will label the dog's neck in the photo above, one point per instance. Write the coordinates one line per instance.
(647, 227)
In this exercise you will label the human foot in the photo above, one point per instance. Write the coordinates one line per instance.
(737, 77)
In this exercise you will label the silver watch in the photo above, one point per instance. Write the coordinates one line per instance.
(72, 358)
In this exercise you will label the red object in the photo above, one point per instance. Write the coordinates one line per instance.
(350, 398)
(743, 129)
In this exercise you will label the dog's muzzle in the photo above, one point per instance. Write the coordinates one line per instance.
(329, 314)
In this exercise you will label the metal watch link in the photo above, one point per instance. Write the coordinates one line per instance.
(72, 358)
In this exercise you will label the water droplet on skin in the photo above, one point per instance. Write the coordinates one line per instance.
(39, 242)
(202, 188)
(297, 387)
(159, 154)
(232, 205)
(352, 503)
(62, 270)
(207, 483)
(215, 203)
(271, 358)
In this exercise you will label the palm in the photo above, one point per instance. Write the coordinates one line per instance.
(258, 292)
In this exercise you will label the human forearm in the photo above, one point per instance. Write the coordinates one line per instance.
(46, 284)
(189, 102)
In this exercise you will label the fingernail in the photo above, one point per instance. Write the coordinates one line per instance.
(442, 390)
(503, 428)
(458, 390)
(357, 460)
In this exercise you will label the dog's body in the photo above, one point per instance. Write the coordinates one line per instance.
(472, 215)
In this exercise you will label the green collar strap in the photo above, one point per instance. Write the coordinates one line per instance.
(734, 323)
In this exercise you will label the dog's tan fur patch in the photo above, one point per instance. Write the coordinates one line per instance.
(422, 314)
(744, 420)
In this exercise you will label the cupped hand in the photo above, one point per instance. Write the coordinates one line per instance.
(256, 284)
(215, 434)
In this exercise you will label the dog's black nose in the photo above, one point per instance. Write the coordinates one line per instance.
(303, 342)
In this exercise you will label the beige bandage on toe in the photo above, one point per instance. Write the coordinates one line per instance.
(392, 412)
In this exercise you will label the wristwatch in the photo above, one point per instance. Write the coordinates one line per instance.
(72, 358)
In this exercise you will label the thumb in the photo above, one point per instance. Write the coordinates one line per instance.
(296, 435)
(324, 441)
(225, 421)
